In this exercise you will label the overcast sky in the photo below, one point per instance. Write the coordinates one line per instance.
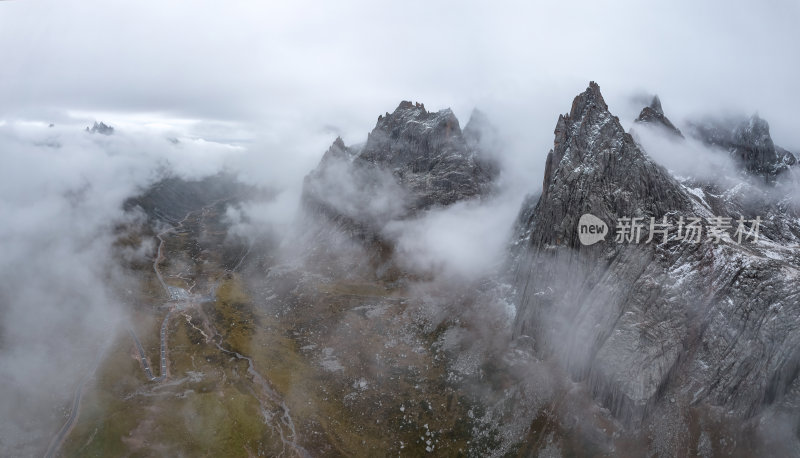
(279, 82)
(280, 70)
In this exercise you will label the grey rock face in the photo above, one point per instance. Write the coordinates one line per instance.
(786, 156)
(413, 160)
(596, 167)
(705, 325)
(483, 138)
(654, 115)
(428, 154)
(100, 128)
(749, 142)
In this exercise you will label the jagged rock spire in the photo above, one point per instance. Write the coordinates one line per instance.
(749, 142)
(654, 115)
(590, 98)
(425, 152)
(596, 167)
(477, 125)
(588, 108)
(337, 150)
(637, 321)
(655, 105)
(100, 128)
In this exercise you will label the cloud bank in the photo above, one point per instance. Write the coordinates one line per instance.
(61, 289)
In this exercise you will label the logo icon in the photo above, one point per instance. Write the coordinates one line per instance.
(591, 229)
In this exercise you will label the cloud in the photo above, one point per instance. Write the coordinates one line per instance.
(689, 157)
(264, 88)
(464, 241)
(309, 64)
(62, 291)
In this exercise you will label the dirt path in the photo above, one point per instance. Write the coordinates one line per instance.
(56, 442)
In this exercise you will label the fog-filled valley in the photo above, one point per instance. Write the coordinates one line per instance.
(240, 230)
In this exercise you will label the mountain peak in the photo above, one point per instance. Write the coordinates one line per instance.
(749, 142)
(654, 115)
(413, 116)
(754, 132)
(338, 150)
(477, 118)
(100, 128)
(576, 133)
(424, 154)
(656, 105)
(636, 321)
(408, 105)
(596, 167)
(484, 140)
(477, 126)
(591, 97)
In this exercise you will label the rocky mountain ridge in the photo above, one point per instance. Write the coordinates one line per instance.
(658, 332)
(427, 154)
(627, 347)
(654, 114)
(749, 142)
(413, 161)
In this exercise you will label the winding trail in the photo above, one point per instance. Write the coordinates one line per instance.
(288, 439)
(55, 443)
(172, 295)
(160, 253)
